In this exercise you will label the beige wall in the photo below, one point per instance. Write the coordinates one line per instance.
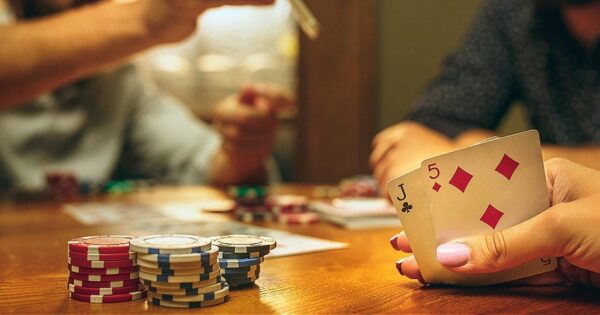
(415, 36)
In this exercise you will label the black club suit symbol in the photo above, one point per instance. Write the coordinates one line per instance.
(406, 207)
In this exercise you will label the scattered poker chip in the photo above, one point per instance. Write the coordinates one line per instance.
(170, 244)
(115, 298)
(183, 285)
(166, 259)
(102, 271)
(242, 262)
(245, 275)
(103, 291)
(103, 284)
(176, 266)
(103, 278)
(298, 218)
(103, 244)
(102, 257)
(227, 271)
(178, 272)
(99, 264)
(184, 292)
(160, 302)
(180, 279)
(209, 296)
(244, 243)
(225, 255)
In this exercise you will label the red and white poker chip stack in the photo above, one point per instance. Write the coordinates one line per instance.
(102, 269)
(62, 186)
(291, 209)
(359, 186)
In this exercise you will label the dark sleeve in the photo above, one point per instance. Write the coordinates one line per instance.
(476, 86)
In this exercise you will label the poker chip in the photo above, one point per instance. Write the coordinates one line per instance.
(103, 291)
(180, 279)
(243, 243)
(103, 284)
(226, 255)
(184, 292)
(160, 302)
(244, 275)
(287, 204)
(205, 257)
(298, 218)
(248, 192)
(227, 271)
(176, 266)
(170, 244)
(179, 272)
(183, 285)
(234, 283)
(103, 244)
(114, 298)
(102, 271)
(242, 262)
(208, 296)
(103, 257)
(103, 278)
(99, 264)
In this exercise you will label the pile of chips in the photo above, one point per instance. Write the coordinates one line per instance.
(62, 186)
(359, 186)
(253, 203)
(240, 257)
(180, 270)
(102, 269)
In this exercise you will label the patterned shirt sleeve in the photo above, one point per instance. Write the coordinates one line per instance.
(476, 86)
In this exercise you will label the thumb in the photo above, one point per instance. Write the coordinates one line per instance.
(532, 239)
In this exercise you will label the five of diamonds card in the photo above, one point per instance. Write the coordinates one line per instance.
(478, 190)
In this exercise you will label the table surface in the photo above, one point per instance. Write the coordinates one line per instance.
(359, 279)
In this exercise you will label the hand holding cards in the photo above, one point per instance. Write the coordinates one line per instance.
(478, 190)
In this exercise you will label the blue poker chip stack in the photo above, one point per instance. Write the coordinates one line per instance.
(240, 257)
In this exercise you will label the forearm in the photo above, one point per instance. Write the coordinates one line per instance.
(41, 55)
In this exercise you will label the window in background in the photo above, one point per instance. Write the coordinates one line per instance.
(232, 46)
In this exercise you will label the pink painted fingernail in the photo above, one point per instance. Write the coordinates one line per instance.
(453, 254)
(394, 242)
(399, 266)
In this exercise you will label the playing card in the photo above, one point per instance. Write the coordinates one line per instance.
(408, 197)
(485, 188)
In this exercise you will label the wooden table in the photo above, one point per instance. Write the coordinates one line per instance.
(359, 279)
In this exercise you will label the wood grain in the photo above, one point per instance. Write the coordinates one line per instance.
(359, 279)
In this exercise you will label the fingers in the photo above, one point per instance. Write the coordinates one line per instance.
(408, 267)
(400, 242)
(219, 3)
(502, 250)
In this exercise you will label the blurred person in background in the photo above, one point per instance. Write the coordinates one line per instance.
(543, 53)
(69, 101)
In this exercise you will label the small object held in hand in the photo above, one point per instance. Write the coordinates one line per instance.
(306, 18)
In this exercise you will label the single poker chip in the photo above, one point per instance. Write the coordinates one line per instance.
(187, 292)
(208, 296)
(170, 244)
(180, 279)
(104, 284)
(102, 271)
(99, 264)
(183, 272)
(103, 291)
(233, 283)
(298, 218)
(226, 271)
(183, 285)
(176, 266)
(103, 244)
(245, 275)
(224, 255)
(115, 298)
(205, 258)
(240, 243)
(160, 302)
(103, 257)
(97, 278)
(242, 262)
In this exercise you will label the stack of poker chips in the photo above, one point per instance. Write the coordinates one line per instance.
(102, 269)
(180, 271)
(291, 209)
(62, 186)
(250, 203)
(359, 186)
(240, 257)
